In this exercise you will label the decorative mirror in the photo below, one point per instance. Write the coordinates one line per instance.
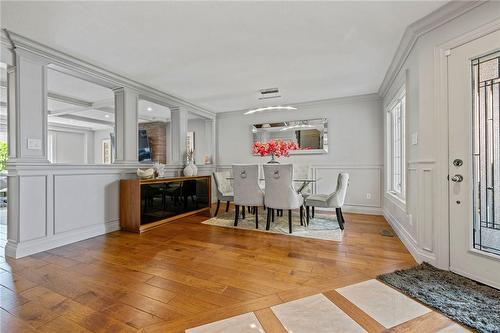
(310, 136)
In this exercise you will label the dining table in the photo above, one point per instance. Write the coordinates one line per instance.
(304, 182)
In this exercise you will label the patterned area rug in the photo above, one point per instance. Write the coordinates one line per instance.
(321, 226)
(464, 300)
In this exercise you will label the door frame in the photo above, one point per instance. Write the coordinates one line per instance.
(442, 217)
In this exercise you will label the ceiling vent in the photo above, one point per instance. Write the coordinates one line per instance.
(269, 93)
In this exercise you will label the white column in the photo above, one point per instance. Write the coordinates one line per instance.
(27, 139)
(27, 109)
(178, 135)
(210, 137)
(126, 104)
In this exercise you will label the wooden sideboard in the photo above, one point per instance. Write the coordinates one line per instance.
(146, 204)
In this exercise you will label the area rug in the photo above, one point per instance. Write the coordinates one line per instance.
(461, 299)
(321, 226)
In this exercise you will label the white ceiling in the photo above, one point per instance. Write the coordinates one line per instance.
(219, 54)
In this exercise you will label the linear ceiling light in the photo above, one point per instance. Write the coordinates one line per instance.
(269, 108)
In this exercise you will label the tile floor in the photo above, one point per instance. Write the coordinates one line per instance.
(319, 314)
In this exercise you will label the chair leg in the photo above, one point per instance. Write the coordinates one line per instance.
(243, 212)
(342, 214)
(227, 206)
(340, 218)
(312, 212)
(290, 220)
(236, 214)
(272, 215)
(268, 223)
(256, 210)
(217, 209)
(301, 215)
(249, 209)
(307, 215)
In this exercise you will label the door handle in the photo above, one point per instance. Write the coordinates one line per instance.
(457, 178)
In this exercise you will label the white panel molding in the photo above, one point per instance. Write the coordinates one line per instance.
(71, 65)
(23, 249)
(342, 168)
(421, 242)
(425, 228)
(408, 241)
(441, 16)
(350, 207)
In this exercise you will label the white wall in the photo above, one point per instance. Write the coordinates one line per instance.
(355, 136)
(422, 223)
(202, 138)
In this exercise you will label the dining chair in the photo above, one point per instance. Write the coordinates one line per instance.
(224, 189)
(247, 191)
(280, 193)
(333, 200)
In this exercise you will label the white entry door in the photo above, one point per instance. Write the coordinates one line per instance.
(474, 159)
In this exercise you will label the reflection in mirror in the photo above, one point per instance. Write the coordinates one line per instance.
(311, 136)
(154, 129)
(81, 120)
(199, 138)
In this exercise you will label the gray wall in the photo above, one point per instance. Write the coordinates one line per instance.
(355, 135)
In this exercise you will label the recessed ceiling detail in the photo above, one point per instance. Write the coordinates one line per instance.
(310, 50)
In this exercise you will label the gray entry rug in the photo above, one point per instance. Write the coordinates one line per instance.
(321, 226)
(459, 298)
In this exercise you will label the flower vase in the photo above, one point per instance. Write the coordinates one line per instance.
(190, 170)
(273, 160)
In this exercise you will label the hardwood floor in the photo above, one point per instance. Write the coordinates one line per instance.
(186, 274)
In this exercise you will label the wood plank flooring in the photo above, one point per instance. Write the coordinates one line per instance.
(186, 274)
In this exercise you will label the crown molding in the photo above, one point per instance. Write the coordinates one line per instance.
(82, 68)
(439, 17)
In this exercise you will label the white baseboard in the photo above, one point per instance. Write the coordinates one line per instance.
(408, 241)
(368, 210)
(362, 210)
(23, 249)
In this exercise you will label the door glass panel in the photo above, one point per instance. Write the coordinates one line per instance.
(486, 152)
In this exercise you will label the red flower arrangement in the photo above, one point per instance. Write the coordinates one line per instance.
(274, 148)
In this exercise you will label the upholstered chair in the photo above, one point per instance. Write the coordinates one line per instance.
(247, 191)
(280, 193)
(332, 200)
(224, 189)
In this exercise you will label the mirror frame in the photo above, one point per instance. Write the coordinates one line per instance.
(324, 150)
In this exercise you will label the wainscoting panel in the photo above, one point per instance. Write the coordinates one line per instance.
(84, 200)
(364, 183)
(33, 221)
(426, 237)
(364, 193)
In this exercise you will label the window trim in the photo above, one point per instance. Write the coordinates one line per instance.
(400, 100)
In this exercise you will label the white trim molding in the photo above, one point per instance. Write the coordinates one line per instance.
(360, 205)
(441, 16)
(68, 64)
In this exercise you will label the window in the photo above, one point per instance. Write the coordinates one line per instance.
(396, 145)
